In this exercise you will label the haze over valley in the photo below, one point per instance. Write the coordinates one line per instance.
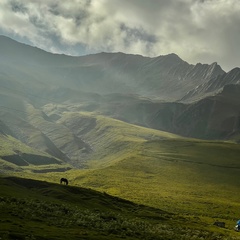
(157, 131)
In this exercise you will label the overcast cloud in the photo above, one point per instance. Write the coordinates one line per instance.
(203, 31)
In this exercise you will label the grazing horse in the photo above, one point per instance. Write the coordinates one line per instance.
(64, 180)
(220, 224)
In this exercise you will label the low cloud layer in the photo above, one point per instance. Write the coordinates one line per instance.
(197, 30)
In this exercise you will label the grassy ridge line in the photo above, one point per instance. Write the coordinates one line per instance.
(63, 139)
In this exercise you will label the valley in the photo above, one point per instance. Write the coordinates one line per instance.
(193, 179)
(150, 146)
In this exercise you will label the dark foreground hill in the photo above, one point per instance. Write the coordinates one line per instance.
(40, 210)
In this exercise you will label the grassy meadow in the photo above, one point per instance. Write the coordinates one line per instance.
(178, 187)
(190, 177)
(33, 209)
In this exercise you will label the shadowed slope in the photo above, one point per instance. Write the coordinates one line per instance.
(17, 156)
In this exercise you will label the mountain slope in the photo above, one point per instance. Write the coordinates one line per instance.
(28, 207)
(110, 140)
(69, 212)
(44, 96)
(164, 77)
(214, 85)
(77, 137)
(213, 117)
(18, 157)
(186, 176)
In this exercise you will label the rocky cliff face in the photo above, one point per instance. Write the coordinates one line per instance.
(214, 85)
(215, 117)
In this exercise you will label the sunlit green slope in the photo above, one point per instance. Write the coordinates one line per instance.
(78, 138)
(192, 178)
(189, 177)
(110, 140)
(185, 176)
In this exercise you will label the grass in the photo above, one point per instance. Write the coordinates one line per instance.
(17, 156)
(111, 140)
(39, 210)
(193, 178)
(196, 181)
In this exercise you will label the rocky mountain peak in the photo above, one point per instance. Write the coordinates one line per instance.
(171, 59)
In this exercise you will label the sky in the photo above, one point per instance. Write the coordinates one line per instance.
(204, 31)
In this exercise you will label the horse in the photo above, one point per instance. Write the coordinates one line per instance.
(64, 180)
(220, 224)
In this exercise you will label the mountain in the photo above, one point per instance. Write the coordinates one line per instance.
(214, 85)
(167, 78)
(156, 131)
(164, 77)
(213, 117)
(57, 104)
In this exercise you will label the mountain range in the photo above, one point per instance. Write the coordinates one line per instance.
(159, 132)
(58, 104)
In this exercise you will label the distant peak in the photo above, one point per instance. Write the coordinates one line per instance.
(173, 56)
(210, 67)
(213, 64)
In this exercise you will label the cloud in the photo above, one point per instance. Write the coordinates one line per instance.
(197, 30)
(218, 34)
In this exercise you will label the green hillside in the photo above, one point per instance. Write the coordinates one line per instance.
(110, 139)
(187, 176)
(39, 210)
(16, 156)
(80, 139)
(192, 178)
(63, 116)
(175, 169)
